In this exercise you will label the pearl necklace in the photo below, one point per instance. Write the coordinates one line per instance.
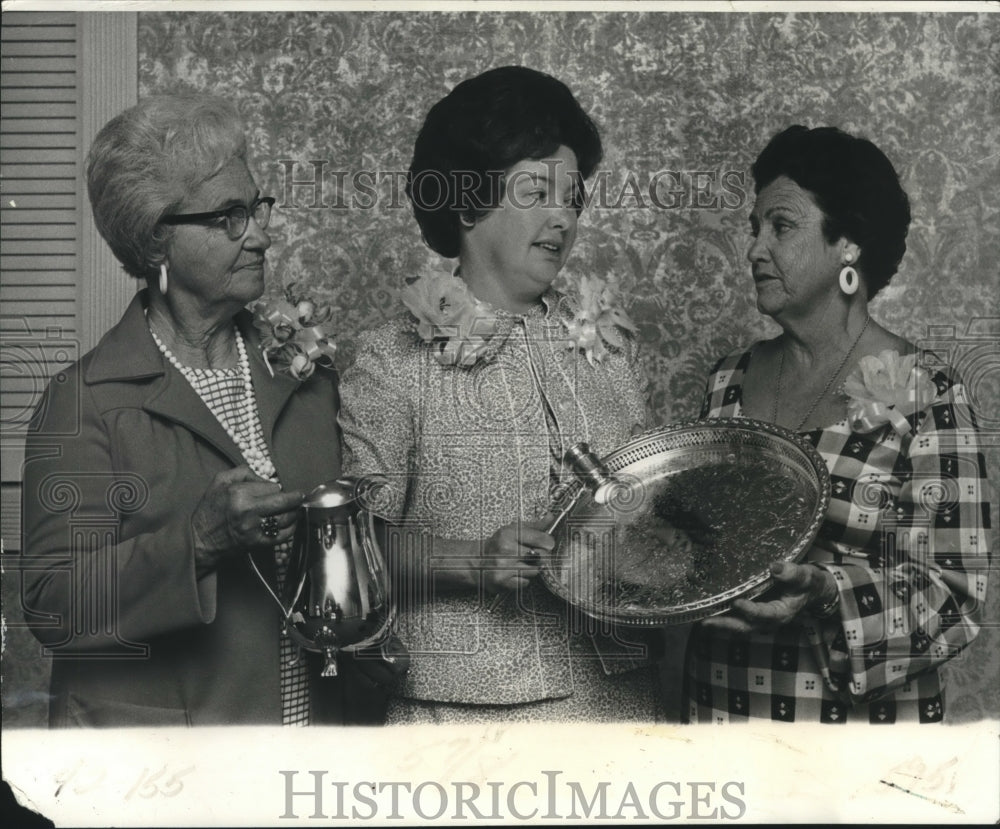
(250, 440)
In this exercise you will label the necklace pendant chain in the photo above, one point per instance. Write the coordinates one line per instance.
(826, 388)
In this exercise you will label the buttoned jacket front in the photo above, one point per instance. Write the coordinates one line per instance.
(469, 449)
(120, 452)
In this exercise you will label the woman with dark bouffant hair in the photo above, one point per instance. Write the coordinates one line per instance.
(894, 584)
(469, 402)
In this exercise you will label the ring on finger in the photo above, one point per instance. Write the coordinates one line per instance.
(269, 526)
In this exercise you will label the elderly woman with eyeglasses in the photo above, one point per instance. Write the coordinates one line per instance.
(169, 459)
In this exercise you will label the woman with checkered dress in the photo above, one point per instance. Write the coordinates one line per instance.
(895, 582)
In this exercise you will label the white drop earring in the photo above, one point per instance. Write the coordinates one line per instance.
(163, 278)
(849, 279)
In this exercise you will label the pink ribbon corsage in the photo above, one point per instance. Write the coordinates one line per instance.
(885, 389)
(597, 322)
(292, 334)
(450, 318)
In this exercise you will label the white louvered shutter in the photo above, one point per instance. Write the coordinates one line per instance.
(39, 236)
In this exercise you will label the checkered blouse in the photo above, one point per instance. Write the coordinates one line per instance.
(223, 392)
(905, 539)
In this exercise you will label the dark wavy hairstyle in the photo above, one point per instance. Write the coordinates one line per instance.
(855, 186)
(481, 128)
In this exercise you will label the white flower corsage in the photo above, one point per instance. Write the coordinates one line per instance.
(885, 389)
(450, 317)
(292, 334)
(598, 321)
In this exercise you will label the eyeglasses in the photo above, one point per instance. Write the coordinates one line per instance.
(234, 219)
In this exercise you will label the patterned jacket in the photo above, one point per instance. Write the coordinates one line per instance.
(470, 449)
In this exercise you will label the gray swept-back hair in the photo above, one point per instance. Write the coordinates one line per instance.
(147, 159)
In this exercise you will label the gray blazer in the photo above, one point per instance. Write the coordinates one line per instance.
(119, 454)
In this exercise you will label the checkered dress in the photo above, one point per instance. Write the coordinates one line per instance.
(224, 394)
(905, 539)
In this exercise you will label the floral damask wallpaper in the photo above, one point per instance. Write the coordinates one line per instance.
(685, 101)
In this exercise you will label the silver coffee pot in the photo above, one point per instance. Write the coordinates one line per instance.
(336, 594)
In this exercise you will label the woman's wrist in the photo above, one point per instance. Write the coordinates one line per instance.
(458, 566)
(206, 559)
(826, 597)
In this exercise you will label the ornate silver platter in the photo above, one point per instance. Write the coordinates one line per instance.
(695, 513)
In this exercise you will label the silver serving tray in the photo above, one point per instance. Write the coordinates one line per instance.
(698, 512)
